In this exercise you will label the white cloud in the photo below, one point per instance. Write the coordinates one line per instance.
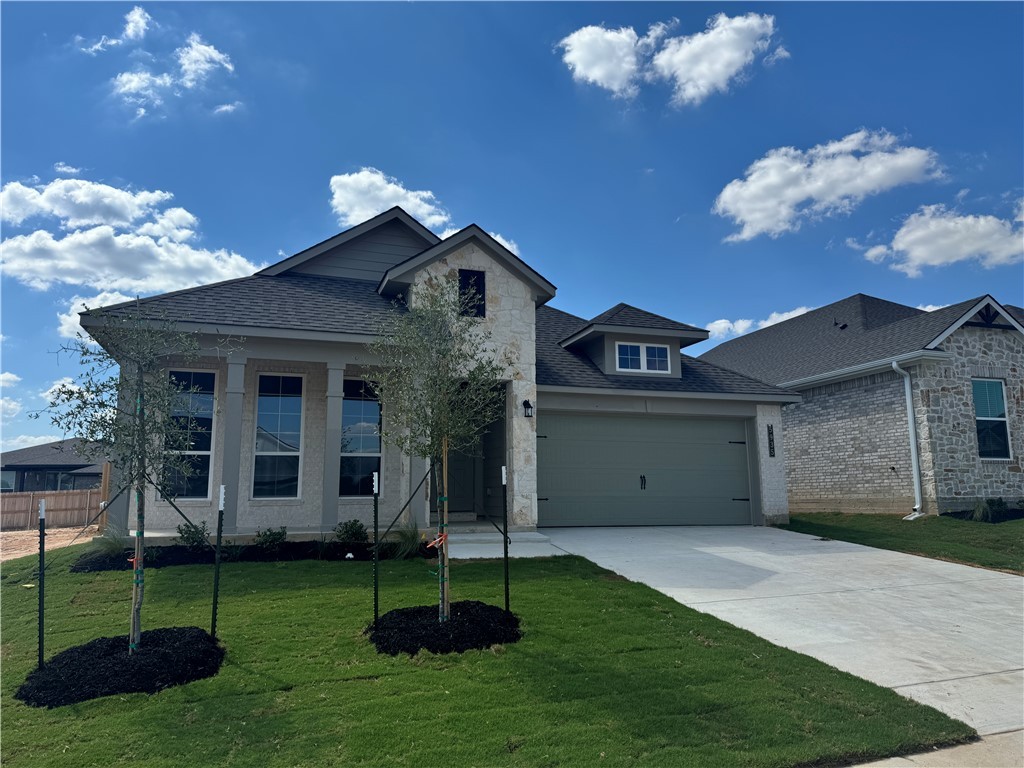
(142, 87)
(707, 62)
(120, 240)
(136, 22)
(68, 326)
(356, 197)
(197, 61)
(788, 185)
(610, 58)
(226, 109)
(512, 245)
(77, 202)
(720, 329)
(9, 407)
(935, 236)
(779, 54)
(66, 383)
(931, 307)
(65, 170)
(26, 441)
(8, 379)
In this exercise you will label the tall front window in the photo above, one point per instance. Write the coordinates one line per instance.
(360, 439)
(990, 419)
(646, 358)
(473, 293)
(278, 437)
(193, 419)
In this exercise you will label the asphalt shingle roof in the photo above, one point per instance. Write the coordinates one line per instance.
(625, 315)
(561, 367)
(816, 343)
(288, 301)
(63, 453)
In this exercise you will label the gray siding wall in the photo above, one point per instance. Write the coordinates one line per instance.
(367, 257)
(840, 444)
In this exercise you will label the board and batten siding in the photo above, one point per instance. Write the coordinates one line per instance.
(367, 257)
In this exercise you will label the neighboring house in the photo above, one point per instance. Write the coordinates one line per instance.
(850, 445)
(605, 421)
(49, 467)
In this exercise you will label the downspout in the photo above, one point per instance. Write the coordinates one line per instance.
(915, 461)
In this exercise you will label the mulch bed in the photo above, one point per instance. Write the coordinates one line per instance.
(103, 667)
(472, 625)
(177, 554)
(998, 517)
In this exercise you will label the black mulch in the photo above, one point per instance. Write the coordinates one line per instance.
(103, 667)
(472, 625)
(177, 554)
(997, 517)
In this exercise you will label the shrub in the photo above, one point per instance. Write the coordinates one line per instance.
(111, 541)
(998, 507)
(351, 532)
(195, 537)
(271, 539)
(231, 551)
(982, 513)
(406, 544)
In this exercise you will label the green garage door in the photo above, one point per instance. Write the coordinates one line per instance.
(598, 469)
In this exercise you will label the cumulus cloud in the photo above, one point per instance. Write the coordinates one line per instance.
(65, 170)
(512, 245)
(64, 383)
(779, 54)
(119, 240)
(226, 109)
(358, 196)
(931, 307)
(9, 407)
(707, 62)
(610, 58)
(67, 321)
(8, 379)
(697, 65)
(18, 442)
(935, 236)
(77, 202)
(721, 329)
(786, 186)
(136, 22)
(142, 87)
(198, 60)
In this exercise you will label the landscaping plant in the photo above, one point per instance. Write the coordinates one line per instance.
(351, 532)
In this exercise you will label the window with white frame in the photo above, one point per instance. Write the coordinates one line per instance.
(193, 421)
(278, 437)
(646, 358)
(360, 439)
(990, 418)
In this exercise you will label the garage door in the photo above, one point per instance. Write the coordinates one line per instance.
(598, 469)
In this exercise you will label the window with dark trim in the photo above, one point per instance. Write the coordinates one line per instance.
(278, 437)
(990, 418)
(360, 439)
(472, 293)
(193, 424)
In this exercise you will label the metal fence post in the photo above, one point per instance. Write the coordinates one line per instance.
(504, 527)
(216, 563)
(376, 549)
(42, 573)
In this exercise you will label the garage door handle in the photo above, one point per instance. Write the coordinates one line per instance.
(544, 499)
(741, 499)
(643, 482)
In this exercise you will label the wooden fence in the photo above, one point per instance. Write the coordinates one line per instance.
(64, 509)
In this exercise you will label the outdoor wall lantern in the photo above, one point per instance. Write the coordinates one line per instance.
(527, 409)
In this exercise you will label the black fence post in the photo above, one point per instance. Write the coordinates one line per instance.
(216, 564)
(42, 573)
(504, 528)
(376, 549)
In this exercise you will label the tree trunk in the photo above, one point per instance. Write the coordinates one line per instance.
(444, 609)
(138, 579)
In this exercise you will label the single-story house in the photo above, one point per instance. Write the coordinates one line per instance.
(56, 466)
(862, 365)
(606, 422)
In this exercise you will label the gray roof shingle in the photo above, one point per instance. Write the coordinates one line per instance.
(560, 367)
(816, 343)
(60, 454)
(625, 315)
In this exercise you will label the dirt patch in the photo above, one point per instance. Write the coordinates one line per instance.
(103, 667)
(20, 543)
(472, 625)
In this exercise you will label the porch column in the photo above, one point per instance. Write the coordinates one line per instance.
(332, 446)
(232, 464)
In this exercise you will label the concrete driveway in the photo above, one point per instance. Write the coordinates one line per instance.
(946, 635)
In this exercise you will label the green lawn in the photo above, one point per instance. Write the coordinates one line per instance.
(999, 545)
(609, 673)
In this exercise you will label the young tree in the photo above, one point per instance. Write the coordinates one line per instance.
(131, 411)
(438, 385)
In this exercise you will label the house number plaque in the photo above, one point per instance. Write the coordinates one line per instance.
(771, 440)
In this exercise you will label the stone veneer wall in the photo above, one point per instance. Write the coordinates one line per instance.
(771, 470)
(841, 441)
(511, 315)
(949, 441)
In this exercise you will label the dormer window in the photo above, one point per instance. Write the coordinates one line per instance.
(645, 358)
(472, 293)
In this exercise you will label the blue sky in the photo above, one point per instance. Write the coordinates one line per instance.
(720, 164)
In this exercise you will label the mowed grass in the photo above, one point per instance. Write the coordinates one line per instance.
(989, 545)
(609, 672)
